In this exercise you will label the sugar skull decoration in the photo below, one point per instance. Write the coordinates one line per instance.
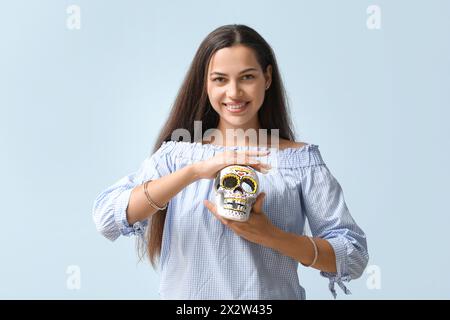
(236, 188)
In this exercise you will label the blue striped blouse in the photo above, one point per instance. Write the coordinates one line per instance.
(203, 259)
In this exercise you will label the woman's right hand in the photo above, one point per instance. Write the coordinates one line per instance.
(207, 169)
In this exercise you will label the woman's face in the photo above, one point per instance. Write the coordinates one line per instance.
(236, 86)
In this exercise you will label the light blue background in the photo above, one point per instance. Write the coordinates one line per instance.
(79, 109)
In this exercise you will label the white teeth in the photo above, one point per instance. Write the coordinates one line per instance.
(236, 106)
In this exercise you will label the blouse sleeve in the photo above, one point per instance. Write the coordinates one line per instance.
(330, 219)
(109, 210)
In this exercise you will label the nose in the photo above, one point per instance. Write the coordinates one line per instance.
(238, 189)
(234, 90)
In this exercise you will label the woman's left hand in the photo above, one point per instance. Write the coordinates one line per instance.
(258, 228)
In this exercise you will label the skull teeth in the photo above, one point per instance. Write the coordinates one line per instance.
(234, 200)
(234, 206)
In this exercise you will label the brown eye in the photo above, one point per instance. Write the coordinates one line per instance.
(229, 182)
(248, 185)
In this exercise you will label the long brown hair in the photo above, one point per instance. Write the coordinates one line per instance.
(192, 104)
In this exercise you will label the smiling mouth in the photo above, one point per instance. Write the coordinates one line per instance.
(236, 107)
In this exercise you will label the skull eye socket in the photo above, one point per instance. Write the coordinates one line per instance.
(230, 181)
(248, 185)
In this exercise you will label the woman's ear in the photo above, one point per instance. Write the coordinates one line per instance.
(268, 76)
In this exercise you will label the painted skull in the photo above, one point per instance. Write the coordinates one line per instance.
(236, 188)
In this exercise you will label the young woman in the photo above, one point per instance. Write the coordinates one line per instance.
(234, 84)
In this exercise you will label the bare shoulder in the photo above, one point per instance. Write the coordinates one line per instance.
(284, 144)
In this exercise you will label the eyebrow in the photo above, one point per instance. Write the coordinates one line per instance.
(224, 74)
